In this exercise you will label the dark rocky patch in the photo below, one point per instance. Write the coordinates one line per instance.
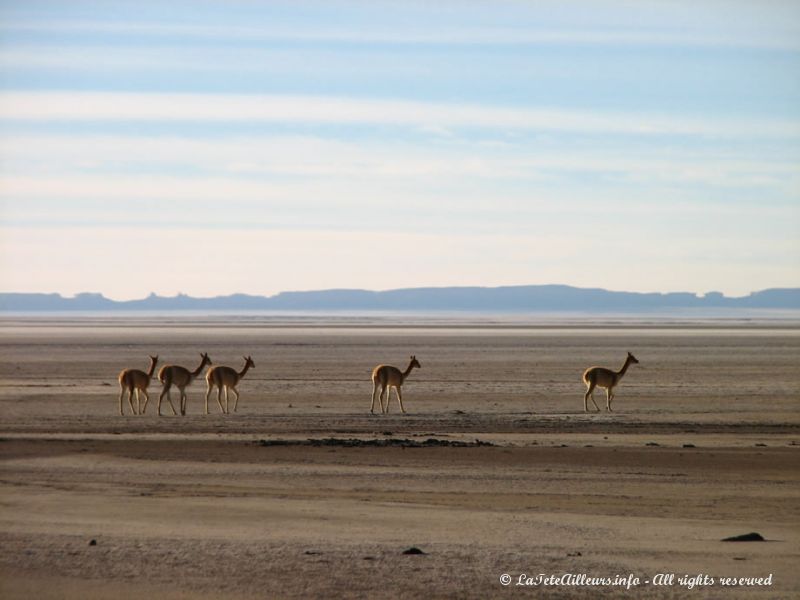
(381, 443)
(413, 550)
(746, 537)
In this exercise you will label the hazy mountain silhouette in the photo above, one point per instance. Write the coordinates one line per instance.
(524, 298)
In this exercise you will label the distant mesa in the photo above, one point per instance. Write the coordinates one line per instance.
(514, 299)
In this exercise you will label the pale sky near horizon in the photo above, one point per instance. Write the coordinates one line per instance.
(214, 147)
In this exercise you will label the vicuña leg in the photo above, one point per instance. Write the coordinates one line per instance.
(236, 400)
(385, 392)
(219, 399)
(609, 398)
(121, 396)
(399, 398)
(166, 392)
(371, 406)
(208, 393)
(589, 395)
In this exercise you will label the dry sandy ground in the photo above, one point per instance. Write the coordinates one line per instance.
(704, 444)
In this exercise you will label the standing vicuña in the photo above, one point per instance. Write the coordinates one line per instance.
(180, 377)
(134, 379)
(604, 378)
(387, 377)
(225, 377)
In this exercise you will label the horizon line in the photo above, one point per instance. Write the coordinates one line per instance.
(153, 294)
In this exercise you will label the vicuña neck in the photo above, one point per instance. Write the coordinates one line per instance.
(196, 372)
(624, 368)
(408, 370)
(243, 371)
(152, 368)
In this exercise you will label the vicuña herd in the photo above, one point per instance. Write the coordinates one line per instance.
(384, 378)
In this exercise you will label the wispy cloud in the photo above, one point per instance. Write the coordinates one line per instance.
(112, 106)
(206, 202)
(444, 34)
(314, 156)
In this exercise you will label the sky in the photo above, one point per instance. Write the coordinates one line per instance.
(211, 148)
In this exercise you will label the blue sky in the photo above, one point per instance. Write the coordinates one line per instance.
(219, 147)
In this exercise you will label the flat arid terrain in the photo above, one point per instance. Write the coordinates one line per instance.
(495, 474)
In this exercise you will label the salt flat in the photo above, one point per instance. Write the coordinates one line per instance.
(277, 500)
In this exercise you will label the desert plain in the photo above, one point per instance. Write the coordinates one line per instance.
(495, 469)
